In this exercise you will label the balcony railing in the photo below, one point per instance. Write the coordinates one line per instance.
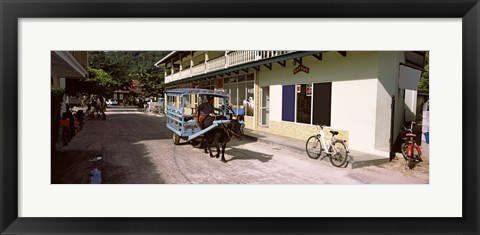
(231, 59)
(242, 57)
(198, 69)
(216, 64)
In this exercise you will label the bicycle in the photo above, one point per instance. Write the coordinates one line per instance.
(334, 148)
(410, 150)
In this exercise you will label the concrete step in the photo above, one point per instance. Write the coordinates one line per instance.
(356, 159)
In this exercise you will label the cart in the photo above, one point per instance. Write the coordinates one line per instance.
(181, 105)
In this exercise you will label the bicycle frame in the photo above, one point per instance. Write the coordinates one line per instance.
(412, 144)
(326, 143)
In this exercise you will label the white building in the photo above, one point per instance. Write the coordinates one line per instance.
(365, 95)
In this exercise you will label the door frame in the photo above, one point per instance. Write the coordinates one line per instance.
(262, 107)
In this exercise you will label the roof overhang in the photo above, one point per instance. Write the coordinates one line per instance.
(415, 59)
(65, 65)
(164, 59)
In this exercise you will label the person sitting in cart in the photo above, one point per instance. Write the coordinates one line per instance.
(204, 119)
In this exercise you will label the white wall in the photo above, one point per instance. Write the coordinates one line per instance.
(333, 67)
(388, 64)
(354, 110)
(276, 107)
(354, 93)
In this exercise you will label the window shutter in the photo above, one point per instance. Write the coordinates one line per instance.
(322, 103)
(288, 103)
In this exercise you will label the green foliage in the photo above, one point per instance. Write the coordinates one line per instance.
(57, 93)
(102, 78)
(125, 66)
(104, 83)
(423, 83)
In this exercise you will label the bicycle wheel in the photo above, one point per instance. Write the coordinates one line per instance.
(340, 158)
(404, 150)
(411, 163)
(415, 159)
(313, 147)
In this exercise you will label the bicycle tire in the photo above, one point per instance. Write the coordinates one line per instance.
(314, 144)
(411, 163)
(403, 149)
(340, 158)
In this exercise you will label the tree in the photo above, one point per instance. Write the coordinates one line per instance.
(423, 83)
(104, 83)
(125, 66)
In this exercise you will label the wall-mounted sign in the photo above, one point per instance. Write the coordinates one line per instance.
(408, 77)
(301, 68)
(219, 83)
(309, 89)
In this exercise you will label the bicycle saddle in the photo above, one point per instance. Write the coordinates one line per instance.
(410, 135)
(334, 132)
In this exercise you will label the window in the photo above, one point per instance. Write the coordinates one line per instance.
(207, 84)
(297, 103)
(242, 93)
(250, 95)
(233, 95)
(304, 104)
(322, 103)
(288, 103)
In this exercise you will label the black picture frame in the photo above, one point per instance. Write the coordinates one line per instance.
(11, 11)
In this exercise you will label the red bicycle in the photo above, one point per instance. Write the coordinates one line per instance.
(410, 150)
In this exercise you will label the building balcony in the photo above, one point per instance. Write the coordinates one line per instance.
(231, 59)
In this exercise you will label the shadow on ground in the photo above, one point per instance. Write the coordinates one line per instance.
(119, 133)
(73, 167)
(245, 154)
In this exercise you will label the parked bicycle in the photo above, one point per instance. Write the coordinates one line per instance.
(333, 148)
(410, 150)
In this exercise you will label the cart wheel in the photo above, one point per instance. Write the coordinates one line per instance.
(176, 139)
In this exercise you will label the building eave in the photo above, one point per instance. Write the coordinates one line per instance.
(72, 63)
(165, 58)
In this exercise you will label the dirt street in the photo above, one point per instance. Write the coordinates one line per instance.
(137, 148)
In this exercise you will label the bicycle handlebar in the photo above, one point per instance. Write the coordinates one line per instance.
(407, 130)
(320, 125)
